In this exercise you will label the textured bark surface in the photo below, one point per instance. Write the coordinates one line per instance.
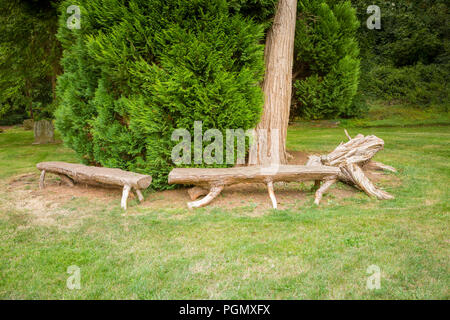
(43, 132)
(277, 87)
(215, 179)
(374, 165)
(86, 174)
(227, 176)
(71, 173)
(345, 163)
(352, 158)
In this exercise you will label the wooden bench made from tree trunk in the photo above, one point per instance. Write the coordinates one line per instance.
(71, 173)
(347, 163)
(212, 181)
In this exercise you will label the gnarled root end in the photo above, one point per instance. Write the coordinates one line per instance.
(356, 175)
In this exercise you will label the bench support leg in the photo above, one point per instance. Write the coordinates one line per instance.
(42, 180)
(325, 186)
(139, 194)
(272, 194)
(213, 193)
(125, 193)
(316, 185)
(66, 180)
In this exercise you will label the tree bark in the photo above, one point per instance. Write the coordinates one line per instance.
(209, 177)
(269, 145)
(351, 158)
(211, 181)
(96, 175)
(30, 100)
(71, 173)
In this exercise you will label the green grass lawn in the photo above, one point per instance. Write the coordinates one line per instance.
(306, 252)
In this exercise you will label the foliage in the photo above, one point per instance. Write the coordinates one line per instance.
(411, 32)
(420, 84)
(29, 58)
(133, 73)
(408, 58)
(326, 64)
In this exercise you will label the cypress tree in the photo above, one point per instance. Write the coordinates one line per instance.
(136, 70)
(326, 66)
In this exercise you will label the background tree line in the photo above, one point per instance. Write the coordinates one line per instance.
(29, 59)
(137, 69)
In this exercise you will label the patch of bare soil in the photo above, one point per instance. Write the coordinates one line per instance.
(45, 205)
(4, 128)
(298, 157)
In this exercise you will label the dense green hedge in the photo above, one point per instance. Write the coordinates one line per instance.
(137, 70)
(408, 59)
(326, 64)
(422, 85)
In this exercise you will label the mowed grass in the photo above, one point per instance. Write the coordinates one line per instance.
(306, 252)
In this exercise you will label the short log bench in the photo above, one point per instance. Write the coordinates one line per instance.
(71, 173)
(215, 179)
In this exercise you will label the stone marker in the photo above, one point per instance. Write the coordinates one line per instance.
(28, 124)
(43, 132)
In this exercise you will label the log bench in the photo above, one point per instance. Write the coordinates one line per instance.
(71, 173)
(212, 181)
(348, 163)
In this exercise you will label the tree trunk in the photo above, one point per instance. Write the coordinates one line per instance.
(30, 100)
(269, 145)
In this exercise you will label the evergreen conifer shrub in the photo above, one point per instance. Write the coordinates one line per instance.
(138, 69)
(326, 62)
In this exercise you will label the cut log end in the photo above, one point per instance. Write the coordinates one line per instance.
(197, 192)
(213, 193)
